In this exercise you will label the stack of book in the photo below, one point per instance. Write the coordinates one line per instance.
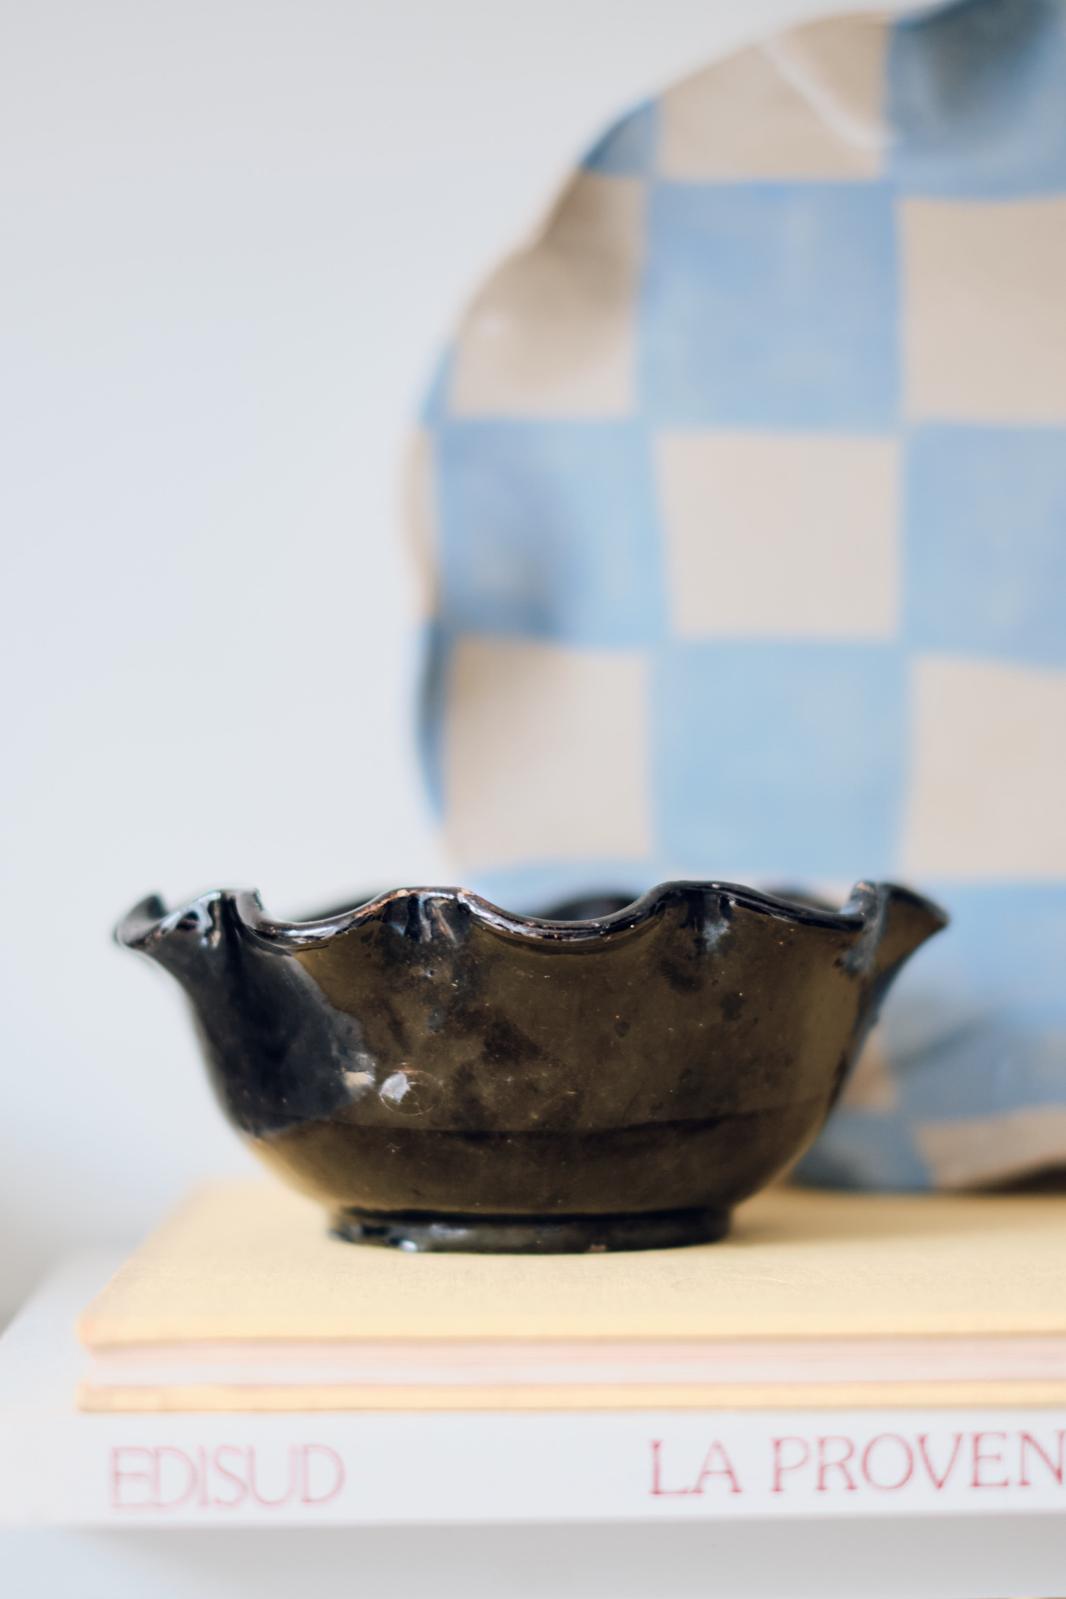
(837, 1356)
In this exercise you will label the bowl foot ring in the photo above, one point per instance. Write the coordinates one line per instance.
(419, 1232)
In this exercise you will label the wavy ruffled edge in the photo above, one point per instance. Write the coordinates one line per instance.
(431, 908)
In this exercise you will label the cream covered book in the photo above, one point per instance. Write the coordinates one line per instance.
(242, 1301)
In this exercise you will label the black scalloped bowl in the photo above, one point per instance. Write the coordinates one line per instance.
(445, 1075)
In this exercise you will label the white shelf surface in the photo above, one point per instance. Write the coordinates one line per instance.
(507, 1504)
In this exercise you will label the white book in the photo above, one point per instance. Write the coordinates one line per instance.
(357, 1467)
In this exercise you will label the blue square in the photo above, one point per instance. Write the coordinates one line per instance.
(782, 761)
(627, 150)
(863, 1148)
(771, 305)
(977, 94)
(548, 530)
(1003, 951)
(985, 542)
(977, 1027)
(995, 1066)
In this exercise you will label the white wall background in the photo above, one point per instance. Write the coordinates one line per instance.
(234, 233)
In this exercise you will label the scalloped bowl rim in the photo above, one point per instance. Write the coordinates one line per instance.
(150, 917)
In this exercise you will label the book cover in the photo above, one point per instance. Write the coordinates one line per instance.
(242, 1301)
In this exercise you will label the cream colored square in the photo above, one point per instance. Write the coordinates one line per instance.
(987, 791)
(785, 536)
(984, 311)
(870, 1084)
(804, 104)
(546, 753)
(552, 332)
(420, 518)
(989, 1149)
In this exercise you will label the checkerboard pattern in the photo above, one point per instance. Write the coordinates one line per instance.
(742, 500)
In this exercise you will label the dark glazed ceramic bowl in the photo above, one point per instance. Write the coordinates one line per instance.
(444, 1075)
